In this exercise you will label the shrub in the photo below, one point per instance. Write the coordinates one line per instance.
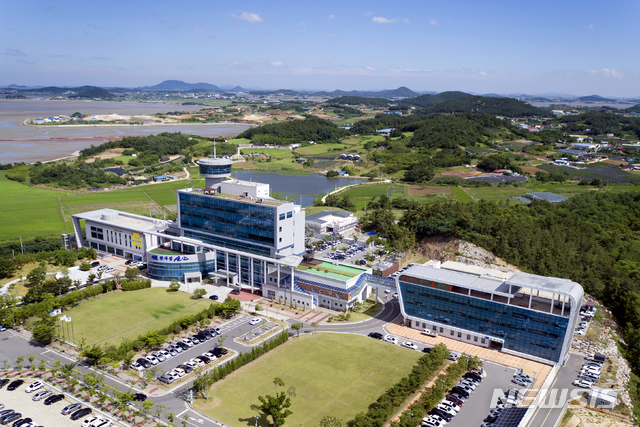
(134, 285)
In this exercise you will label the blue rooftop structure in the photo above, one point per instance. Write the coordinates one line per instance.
(547, 197)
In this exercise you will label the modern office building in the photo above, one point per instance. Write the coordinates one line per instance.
(513, 312)
(231, 230)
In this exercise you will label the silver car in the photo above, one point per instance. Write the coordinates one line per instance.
(159, 356)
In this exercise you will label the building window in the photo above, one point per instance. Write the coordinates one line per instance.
(434, 328)
(452, 332)
(280, 229)
(459, 334)
(289, 214)
(468, 336)
(337, 294)
(280, 240)
(441, 330)
(483, 341)
(281, 217)
(475, 339)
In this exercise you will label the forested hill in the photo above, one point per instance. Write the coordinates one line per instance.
(311, 129)
(483, 105)
(94, 92)
(429, 100)
(401, 92)
(592, 239)
(360, 100)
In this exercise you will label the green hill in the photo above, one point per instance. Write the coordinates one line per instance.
(95, 92)
(424, 101)
(360, 100)
(481, 105)
(595, 98)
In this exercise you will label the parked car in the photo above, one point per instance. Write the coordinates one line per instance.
(519, 381)
(15, 384)
(4, 382)
(22, 422)
(151, 358)
(34, 386)
(80, 413)
(390, 339)
(213, 297)
(89, 421)
(409, 344)
(430, 332)
(255, 321)
(183, 346)
(10, 418)
(186, 342)
(41, 395)
(53, 399)
(139, 397)
(159, 356)
(136, 367)
(583, 383)
(70, 408)
(220, 351)
(376, 335)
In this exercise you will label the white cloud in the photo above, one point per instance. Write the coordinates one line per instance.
(433, 22)
(14, 52)
(370, 68)
(249, 17)
(383, 20)
(332, 17)
(607, 72)
(331, 35)
(233, 64)
(276, 64)
(589, 27)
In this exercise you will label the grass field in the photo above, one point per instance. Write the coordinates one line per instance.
(276, 153)
(333, 374)
(130, 314)
(461, 195)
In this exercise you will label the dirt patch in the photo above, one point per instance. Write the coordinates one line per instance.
(458, 174)
(532, 170)
(256, 118)
(418, 190)
(615, 162)
(592, 417)
(172, 208)
(109, 154)
(452, 249)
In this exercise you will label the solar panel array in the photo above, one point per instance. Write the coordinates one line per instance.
(497, 179)
(547, 197)
(510, 417)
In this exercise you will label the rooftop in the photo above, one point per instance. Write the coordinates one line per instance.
(124, 219)
(545, 196)
(212, 193)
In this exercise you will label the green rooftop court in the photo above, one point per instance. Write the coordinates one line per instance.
(338, 272)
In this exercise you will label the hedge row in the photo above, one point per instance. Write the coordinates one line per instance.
(386, 405)
(134, 285)
(435, 394)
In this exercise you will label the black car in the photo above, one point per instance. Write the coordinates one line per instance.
(220, 351)
(144, 362)
(10, 418)
(53, 399)
(207, 333)
(196, 339)
(460, 391)
(457, 396)
(182, 345)
(6, 412)
(213, 297)
(95, 264)
(235, 292)
(22, 421)
(4, 382)
(186, 368)
(473, 376)
(203, 337)
(80, 413)
(376, 335)
(70, 408)
(204, 359)
(15, 384)
(139, 397)
(427, 349)
(441, 414)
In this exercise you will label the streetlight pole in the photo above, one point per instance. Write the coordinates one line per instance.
(256, 417)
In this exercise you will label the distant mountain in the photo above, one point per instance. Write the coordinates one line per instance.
(483, 105)
(180, 85)
(595, 98)
(21, 87)
(401, 92)
(429, 100)
(493, 95)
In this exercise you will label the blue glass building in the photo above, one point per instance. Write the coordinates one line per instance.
(515, 313)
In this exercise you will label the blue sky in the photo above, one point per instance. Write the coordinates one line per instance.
(576, 47)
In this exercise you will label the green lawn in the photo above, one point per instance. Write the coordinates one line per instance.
(277, 153)
(135, 312)
(333, 374)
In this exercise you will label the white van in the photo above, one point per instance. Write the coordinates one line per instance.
(430, 332)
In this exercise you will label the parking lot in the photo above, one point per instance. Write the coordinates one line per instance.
(349, 253)
(41, 414)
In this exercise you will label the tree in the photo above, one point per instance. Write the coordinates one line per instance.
(91, 278)
(38, 274)
(296, 327)
(19, 361)
(314, 325)
(82, 342)
(277, 381)
(199, 293)
(85, 266)
(274, 407)
(330, 421)
(7, 304)
(93, 353)
(221, 339)
(175, 285)
(132, 273)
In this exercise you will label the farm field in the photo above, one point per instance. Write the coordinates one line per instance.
(461, 195)
(137, 312)
(362, 374)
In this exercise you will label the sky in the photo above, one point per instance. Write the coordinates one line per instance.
(571, 47)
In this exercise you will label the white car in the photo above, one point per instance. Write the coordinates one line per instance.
(451, 404)
(409, 344)
(97, 422)
(179, 372)
(446, 409)
(166, 354)
(255, 321)
(390, 339)
(519, 381)
(151, 358)
(580, 332)
(188, 342)
(35, 386)
(395, 295)
(104, 423)
(87, 422)
(196, 362)
(210, 355)
(582, 383)
(159, 356)
(136, 367)
(387, 291)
